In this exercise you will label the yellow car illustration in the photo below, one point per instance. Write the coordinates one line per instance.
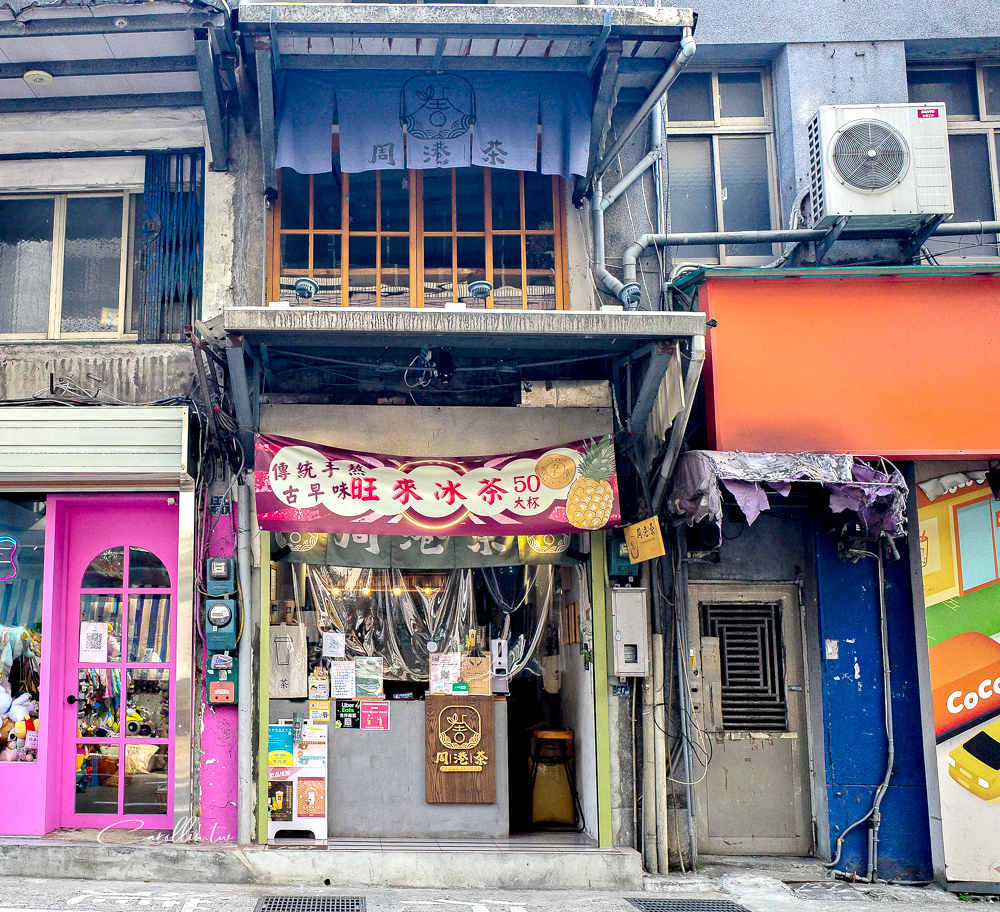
(975, 765)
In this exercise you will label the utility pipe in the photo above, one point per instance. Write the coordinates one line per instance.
(631, 255)
(644, 164)
(680, 421)
(629, 293)
(245, 791)
(684, 53)
(660, 754)
(650, 776)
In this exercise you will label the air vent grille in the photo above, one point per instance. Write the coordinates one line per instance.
(870, 155)
(752, 658)
(815, 172)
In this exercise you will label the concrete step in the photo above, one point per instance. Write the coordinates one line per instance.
(528, 867)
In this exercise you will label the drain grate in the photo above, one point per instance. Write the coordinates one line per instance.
(685, 905)
(310, 904)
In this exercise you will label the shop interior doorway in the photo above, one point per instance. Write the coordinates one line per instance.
(418, 614)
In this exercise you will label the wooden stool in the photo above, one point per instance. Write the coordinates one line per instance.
(555, 746)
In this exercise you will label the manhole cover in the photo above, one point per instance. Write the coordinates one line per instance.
(686, 905)
(310, 904)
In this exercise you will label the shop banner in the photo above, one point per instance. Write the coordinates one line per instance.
(959, 545)
(304, 487)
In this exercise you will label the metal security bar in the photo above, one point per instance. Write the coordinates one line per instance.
(170, 257)
(753, 669)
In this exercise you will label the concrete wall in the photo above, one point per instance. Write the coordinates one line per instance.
(846, 52)
(434, 430)
(103, 131)
(235, 227)
(124, 371)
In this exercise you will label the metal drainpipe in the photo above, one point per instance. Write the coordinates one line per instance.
(628, 293)
(684, 53)
(631, 256)
(244, 563)
(680, 421)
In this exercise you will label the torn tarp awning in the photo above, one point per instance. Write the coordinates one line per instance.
(876, 493)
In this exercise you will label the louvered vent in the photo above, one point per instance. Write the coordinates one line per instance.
(815, 172)
(870, 155)
(753, 668)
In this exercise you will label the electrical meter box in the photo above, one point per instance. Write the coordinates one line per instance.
(220, 624)
(220, 576)
(619, 564)
(630, 632)
(220, 679)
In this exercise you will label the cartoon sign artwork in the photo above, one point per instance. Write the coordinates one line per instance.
(959, 540)
(303, 487)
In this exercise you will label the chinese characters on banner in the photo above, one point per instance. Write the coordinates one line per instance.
(303, 487)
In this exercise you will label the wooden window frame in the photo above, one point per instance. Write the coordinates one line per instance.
(417, 235)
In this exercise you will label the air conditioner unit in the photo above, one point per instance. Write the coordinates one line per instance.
(882, 166)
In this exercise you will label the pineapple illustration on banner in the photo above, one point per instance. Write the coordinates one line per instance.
(304, 487)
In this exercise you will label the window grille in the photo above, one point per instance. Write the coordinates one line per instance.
(170, 259)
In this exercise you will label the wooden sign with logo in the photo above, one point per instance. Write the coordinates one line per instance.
(461, 757)
(644, 540)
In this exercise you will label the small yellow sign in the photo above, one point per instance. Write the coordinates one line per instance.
(644, 540)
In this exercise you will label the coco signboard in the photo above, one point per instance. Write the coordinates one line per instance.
(959, 541)
(305, 487)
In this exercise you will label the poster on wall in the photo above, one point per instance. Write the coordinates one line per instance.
(305, 487)
(959, 539)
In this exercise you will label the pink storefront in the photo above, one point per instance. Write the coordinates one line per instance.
(96, 645)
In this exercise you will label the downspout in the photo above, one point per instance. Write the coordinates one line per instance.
(628, 293)
(245, 563)
(680, 421)
(684, 53)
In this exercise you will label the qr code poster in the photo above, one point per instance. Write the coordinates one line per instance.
(312, 798)
(93, 642)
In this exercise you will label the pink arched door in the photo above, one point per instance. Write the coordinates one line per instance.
(118, 594)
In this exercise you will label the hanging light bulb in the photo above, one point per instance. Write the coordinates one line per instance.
(427, 590)
(397, 591)
(336, 591)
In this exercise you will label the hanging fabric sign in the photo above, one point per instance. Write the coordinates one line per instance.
(304, 487)
(450, 120)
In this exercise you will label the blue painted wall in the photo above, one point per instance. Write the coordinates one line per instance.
(853, 713)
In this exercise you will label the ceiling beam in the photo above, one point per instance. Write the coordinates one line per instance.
(327, 62)
(215, 112)
(111, 67)
(100, 102)
(265, 98)
(604, 104)
(111, 25)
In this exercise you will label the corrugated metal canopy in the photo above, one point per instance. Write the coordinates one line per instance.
(62, 448)
(460, 36)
